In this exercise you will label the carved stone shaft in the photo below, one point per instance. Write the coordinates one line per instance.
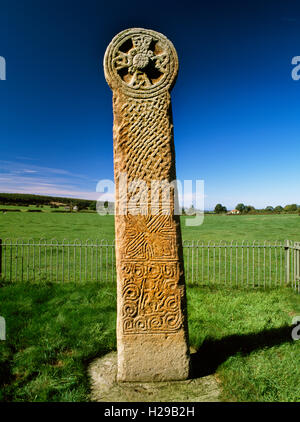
(152, 338)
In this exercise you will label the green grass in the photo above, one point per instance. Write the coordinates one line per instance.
(91, 226)
(248, 227)
(29, 207)
(55, 330)
(245, 337)
(55, 225)
(52, 333)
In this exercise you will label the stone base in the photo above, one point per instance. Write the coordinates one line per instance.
(153, 357)
(106, 388)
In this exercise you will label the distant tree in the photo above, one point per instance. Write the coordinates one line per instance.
(183, 211)
(92, 206)
(269, 208)
(278, 209)
(219, 208)
(79, 206)
(291, 207)
(240, 207)
(248, 208)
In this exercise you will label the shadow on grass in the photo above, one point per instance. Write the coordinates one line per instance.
(213, 353)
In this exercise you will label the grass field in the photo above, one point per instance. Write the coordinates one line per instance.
(91, 226)
(55, 330)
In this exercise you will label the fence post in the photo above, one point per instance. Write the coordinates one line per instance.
(287, 261)
(0, 258)
(297, 279)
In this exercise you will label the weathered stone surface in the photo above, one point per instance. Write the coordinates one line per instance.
(105, 388)
(141, 67)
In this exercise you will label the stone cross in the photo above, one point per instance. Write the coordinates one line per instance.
(141, 66)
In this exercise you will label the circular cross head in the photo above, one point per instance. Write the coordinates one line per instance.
(141, 63)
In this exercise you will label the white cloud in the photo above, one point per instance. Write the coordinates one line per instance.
(18, 177)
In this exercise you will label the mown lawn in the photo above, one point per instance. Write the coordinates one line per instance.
(55, 330)
(93, 226)
(52, 332)
(245, 227)
(69, 226)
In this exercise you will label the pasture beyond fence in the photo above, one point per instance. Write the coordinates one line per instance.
(257, 264)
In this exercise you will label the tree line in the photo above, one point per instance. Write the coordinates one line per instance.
(22, 199)
(246, 209)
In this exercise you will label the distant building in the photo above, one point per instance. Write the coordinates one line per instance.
(233, 212)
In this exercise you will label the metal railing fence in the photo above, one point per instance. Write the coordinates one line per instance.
(257, 264)
(58, 261)
(296, 252)
(236, 263)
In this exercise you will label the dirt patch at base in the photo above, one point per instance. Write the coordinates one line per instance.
(105, 388)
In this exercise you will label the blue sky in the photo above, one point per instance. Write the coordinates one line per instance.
(236, 107)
